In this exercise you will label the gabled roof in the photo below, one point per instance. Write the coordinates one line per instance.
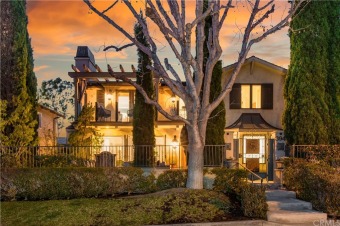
(51, 110)
(251, 121)
(260, 61)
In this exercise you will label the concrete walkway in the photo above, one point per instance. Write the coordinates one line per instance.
(284, 208)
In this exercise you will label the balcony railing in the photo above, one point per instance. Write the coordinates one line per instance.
(163, 156)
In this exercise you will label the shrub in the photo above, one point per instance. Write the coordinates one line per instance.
(229, 180)
(251, 197)
(68, 183)
(59, 161)
(192, 206)
(317, 183)
(172, 179)
(253, 201)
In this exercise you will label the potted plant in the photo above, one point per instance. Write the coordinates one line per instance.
(229, 162)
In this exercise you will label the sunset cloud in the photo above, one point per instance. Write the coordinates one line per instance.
(39, 68)
(58, 27)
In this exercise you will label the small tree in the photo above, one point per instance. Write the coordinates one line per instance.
(177, 31)
(84, 134)
(143, 114)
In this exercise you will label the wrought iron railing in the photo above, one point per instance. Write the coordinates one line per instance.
(166, 156)
(328, 153)
(252, 176)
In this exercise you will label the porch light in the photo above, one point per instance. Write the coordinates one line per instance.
(175, 142)
(109, 96)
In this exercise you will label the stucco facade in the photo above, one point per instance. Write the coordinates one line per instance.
(255, 125)
(47, 128)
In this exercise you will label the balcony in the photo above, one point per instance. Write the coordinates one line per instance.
(104, 115)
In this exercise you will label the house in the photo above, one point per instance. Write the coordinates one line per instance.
(254, 109)
(47, 125)
(114, 101)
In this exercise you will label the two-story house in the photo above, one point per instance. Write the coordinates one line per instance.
(114, 102)
(253, 111)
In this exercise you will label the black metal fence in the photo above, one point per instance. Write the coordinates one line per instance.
(328, 153)
(166, 156)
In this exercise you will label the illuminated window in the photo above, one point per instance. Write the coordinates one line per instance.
(251, 96)
(256, 96)
(245, 96)
(123, 107)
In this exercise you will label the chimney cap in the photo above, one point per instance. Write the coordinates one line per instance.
(84, 51)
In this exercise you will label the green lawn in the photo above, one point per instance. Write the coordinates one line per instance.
(171, 206)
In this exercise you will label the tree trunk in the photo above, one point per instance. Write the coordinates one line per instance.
(195, 152)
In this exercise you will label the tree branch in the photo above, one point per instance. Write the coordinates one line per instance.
(118, 48)
(110, 7)
(266, 15)
(225, 13)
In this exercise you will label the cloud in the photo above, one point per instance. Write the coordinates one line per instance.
(39, 68)
(58, 27)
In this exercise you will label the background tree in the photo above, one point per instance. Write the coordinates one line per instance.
(84, 134)
(312, 109)
(216, 122)
(177, 31)
(58, 94)
(143, 114)
(18, 81)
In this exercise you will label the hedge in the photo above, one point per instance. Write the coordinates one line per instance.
(69, 183)
(251, 197)
(315, 182)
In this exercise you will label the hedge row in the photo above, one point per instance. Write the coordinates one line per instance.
(317, 183)
(234, 183)
(68, 183)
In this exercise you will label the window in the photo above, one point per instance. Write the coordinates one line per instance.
(39, 120)
(123, 107)
(251, 96)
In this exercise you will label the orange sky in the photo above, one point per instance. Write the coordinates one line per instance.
(58, 27)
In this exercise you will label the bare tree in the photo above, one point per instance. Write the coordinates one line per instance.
(178, 34)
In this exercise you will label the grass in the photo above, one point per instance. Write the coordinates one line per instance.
(170, 206)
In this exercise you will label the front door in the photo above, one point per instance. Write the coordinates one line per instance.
(252, 154)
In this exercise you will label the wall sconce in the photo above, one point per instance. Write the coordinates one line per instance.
(175, 142)
(109, 95)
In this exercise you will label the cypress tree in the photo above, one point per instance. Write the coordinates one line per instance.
(333, 75)
(143, 114)
(18, 82)
(216, 122)
(306, 118)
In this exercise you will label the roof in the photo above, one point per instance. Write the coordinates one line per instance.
(258, 60)
(51, 110)
(251, 121)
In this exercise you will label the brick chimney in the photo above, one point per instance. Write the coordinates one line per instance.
(84, 56)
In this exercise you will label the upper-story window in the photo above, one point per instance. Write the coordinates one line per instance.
(39, 120)
(251, 96)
